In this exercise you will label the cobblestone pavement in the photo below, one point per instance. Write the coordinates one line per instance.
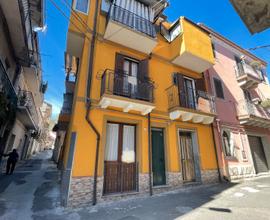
(33, 193)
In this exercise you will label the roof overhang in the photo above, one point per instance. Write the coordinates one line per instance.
(254, 13)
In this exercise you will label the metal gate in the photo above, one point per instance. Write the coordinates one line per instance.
(258, 154)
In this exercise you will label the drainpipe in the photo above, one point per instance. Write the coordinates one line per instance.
(150, 154)
(216, 153)
(88, 101)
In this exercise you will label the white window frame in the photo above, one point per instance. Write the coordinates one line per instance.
(232, 148)
(74, 7)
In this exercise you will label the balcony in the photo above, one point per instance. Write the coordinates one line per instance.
(6, 87)
(129, 29)
(191, 105)
(26, 110)
(67, 105)
(190, 46)
(248, 77)
(253, 115)
(126, 92)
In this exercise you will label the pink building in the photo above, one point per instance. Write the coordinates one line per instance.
(240, 85)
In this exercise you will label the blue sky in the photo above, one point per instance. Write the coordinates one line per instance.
(219, 15)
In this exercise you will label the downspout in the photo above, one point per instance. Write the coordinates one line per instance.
(216, 153)
(150, 154)
(88, 101)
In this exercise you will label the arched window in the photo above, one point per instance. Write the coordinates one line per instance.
(226, 143)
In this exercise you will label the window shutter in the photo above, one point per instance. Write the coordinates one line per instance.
(200, 84)
(143, 69)
(181, 90)
(119, 62)
(118, 74)
(218, 88)
(144, 91)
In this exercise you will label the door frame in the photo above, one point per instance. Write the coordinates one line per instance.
(163, 129)
(196, 152)
(119, 158)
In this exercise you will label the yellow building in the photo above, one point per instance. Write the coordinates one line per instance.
(139, 102)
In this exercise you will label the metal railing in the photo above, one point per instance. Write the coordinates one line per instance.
(67, 105)
(132, 20)
(119, 83)
(190, 98)
(26, 99)
(246, 107)
(6, 86)
(244, 68)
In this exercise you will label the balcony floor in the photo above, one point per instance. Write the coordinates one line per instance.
(126, 104)
(128, 37)
(255, 121)
(194, 116)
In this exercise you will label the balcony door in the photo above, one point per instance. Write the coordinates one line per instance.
(187, 91)
(120, 159)
(131, 68)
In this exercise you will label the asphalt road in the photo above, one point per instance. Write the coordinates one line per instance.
(33, 193)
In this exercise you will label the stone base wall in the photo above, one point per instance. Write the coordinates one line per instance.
(81, 188)
(174, 179)
(209, 176)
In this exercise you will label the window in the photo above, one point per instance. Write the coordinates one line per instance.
(218, 88)
(228, 145)
(81, 5)
(214, 50)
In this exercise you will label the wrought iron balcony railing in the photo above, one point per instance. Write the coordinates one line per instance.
(6, 86)
(246, 107)
(190, 98)
(132, 20)
(120, 84)
(243, 68)
(26, 99)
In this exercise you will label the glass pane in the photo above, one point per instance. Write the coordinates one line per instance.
(82, 5)
(128, 154)
(111, 150)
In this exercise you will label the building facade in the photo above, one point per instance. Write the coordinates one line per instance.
(140, 119)
(22, 88)
(239, 82)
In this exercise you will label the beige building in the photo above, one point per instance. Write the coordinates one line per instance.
(21, 84)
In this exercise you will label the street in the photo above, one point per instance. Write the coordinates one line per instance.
(33, 193)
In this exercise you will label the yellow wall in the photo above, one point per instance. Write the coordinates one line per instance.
(161, 73)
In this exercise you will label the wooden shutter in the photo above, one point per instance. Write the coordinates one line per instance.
(200, 84)
(143, 69)
(181, 90)
(144, 91)
(118, 74)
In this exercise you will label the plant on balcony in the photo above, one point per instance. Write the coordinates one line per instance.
(265, 103)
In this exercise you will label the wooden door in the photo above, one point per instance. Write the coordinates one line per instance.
(120, 170)
(187, 156)
(258, 154)
(158, 158)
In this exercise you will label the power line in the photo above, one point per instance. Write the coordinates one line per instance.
(63, 14)
(259, 47)
(77, 16)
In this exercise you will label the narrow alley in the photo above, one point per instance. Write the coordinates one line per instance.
(32, 192)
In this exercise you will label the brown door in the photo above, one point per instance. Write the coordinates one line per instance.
(187, 157)
(258, 154)
(120, 170)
